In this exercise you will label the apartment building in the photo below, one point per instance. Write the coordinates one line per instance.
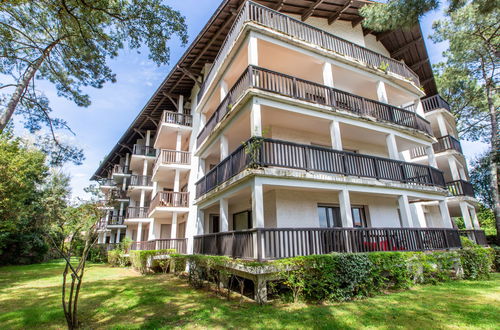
(287, 128)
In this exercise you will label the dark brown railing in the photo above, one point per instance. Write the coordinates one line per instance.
(460, 188)
(119, 169)
(141, 150)
(173, 157)
(434, 102)
(271, 81)
(170, 117)
(292, 27)
(134, 212)
(177, 244)
(278, 243)
(115, 220)
(276, 153)
(141, 180)
(170, 199)
(444, 143)
(475, 235)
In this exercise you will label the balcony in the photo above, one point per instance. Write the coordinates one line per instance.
(277, 243)
(460, 188)
(171, 124)
(136, 212)
(477, 236)
(170, 117)
(177, 244)
(168, 201)
(168, 160)
(118, 195)
(444, 143)
(120, 170)
(107, 183)
(141, 150)
(115, 220)
(296, 88)
(276, 153)
(140, 181)
(266, 17)
(434, 102)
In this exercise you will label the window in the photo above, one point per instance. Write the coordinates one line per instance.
(242, 220)
(329, 216)
(214, 221)
(358, 216)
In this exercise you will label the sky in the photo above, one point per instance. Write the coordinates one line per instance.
(99, 127)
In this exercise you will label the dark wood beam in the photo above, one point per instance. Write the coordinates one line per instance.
(279, 5)
(138, 131)
(309, 11)
(403, 49)
(337, 14)
(418, 65)
(152, 120)
(125, 147)
(189, 74)
(366, 31)
(425, 81)
(383, 35)
(358, 20)
(172, 99)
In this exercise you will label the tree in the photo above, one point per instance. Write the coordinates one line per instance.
(480, 178)
(67, 42)
(474, 41)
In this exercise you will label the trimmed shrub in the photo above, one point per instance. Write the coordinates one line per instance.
(477, 262)
(117, 258)
(139, 258)
(496, 258)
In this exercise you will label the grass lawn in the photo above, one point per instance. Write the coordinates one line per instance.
(123, 299)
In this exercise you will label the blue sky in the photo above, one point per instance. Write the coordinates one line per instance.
(98, 127)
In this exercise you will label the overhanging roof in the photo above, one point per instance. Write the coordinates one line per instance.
(407, 45)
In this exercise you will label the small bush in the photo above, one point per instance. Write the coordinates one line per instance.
(139, 258)
(477, 262)
(496, 258)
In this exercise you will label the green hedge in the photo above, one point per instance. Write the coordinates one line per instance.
(117, 258)
(139, 258)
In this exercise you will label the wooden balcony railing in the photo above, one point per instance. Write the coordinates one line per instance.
(115, 220)
(141, 150)
(434, 102)
(444, 143)
(166, 157)
(170, 117)
(177, 244)
(119, 169)
(253, 12)
(141, 180)
(460, 188)
(278, 243)
(170, 199)
(296, 88)
(134, 212)
(276, 153)
(475, 235)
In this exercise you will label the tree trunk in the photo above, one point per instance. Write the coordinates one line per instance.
(23, 85)
(494, 157)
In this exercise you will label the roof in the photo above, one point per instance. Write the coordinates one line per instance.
(407, 45)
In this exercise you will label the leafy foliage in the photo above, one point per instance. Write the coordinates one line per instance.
(480, 177)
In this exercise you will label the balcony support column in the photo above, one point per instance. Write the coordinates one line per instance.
(118, 234)
(201, 167)
(224, 147)
(177, 181)
(257, 205)
(145, 167)
(445, 214)
(255, 119)
(419, 108)
(155, 189)
(111, 237)
(335, 135)
(392, 146)
(418, 215)
(431, 156)
(139, 232)
(327, 74)
(382, 92)
(455, 175)
(180, 104)
(200, 222)
(148, 138)
(443, 131)
(405, 211)
(464, 209)
(173, 227)
(475, 220)
(151, 230)
(99, 238)
(253, 50)
(142, 198)
(122, 209)
(224, 214)
(223, 89)
(345, 208)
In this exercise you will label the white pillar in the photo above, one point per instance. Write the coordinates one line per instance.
(224, 147)
(201, 167)
(118, 234)
(335, 135)
(177, 180)
(443, 131)
(418, 215)
(100, 238)
(178, 141)
(142, 200)
(475, 220)
(392, 147)
(148, 138)
(257, 205)
(431, 156)
(139, 232)
(327, 74)
(453, 168)
(404, 209)
(445, 214)
(224, 214)
(462, 173)
(253, 51)
(145, 167)
(111, 237)
(155, 189)
(200, 223)
(382, 92)
(223, 89)
(121, 209)
(173, 227)
(419, 108)
(180, 104)
(255, 120)
(345, 208)
(151, 231)
(464, 209)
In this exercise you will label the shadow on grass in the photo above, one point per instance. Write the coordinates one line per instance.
(119, 299)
